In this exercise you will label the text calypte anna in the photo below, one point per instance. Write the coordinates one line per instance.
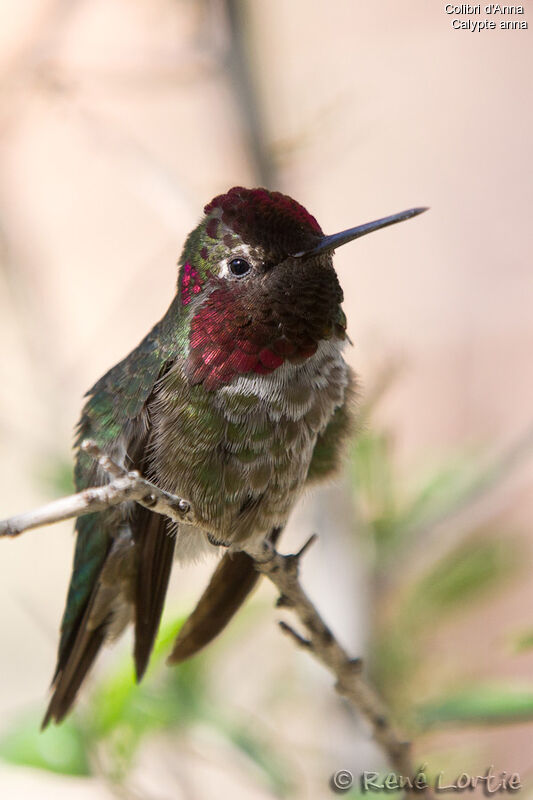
(237, 399)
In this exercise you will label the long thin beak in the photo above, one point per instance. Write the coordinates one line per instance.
(338, 239)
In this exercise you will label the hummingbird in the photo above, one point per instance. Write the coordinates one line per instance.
(237, 400)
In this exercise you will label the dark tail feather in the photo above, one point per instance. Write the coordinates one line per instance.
(230, 585)
(71, 674)
(155, 554)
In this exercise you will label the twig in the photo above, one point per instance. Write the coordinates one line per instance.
(281, 570)
(125, 486)
(247, 94)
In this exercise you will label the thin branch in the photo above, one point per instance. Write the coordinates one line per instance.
(281, 570)
(295, 636)
(125, 487)
(247, 94)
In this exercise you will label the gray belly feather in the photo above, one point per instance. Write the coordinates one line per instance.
(241, 454)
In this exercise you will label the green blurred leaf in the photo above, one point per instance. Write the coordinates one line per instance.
(164, 698)
(262, 754)
(393, 658)
(55, 475)
(121, 712)
(436, 494)
(472, 568)
(523, 642)
(393, 513)
(60, 748)
(373, 478)
(464, 575)
(489, 704)
(110, 699)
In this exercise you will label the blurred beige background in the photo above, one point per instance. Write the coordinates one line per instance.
(120, 119)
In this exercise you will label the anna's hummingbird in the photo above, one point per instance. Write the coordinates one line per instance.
(235, 400)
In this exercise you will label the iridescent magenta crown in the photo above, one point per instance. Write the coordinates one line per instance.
(269, 219)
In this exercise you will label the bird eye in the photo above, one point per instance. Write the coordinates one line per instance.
(239, 267)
